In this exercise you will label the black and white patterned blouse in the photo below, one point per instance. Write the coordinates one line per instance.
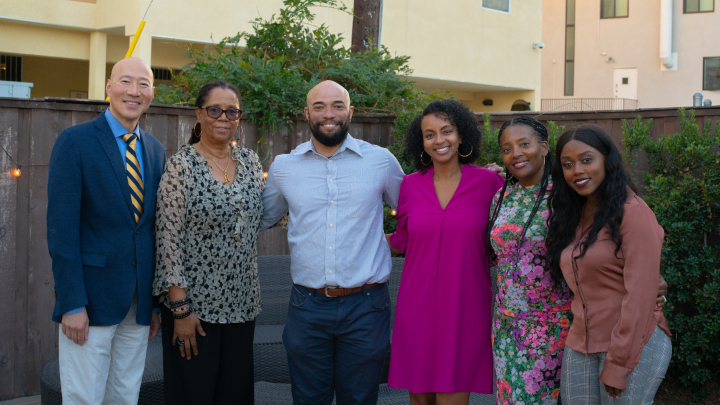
(206, 236)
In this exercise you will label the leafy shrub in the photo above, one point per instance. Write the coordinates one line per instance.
(682, 186)
(490, 148)
(286, 55)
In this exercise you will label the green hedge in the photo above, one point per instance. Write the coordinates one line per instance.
(682, 186)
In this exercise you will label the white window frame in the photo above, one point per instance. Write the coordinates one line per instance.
(496, 10)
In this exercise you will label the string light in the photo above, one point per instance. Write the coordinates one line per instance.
(234, 142)
(393, 212)
(15, 172)
(265, 174)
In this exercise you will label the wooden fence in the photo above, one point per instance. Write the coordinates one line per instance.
(28, 129)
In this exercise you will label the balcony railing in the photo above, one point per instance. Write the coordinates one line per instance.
(587, 104)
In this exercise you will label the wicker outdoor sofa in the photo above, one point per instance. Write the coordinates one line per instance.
(272, 379)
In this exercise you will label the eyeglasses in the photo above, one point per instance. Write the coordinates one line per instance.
(233, 114)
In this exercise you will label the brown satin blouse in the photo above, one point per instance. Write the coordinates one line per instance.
(614, 306)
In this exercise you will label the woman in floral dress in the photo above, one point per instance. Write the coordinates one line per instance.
(531, 321)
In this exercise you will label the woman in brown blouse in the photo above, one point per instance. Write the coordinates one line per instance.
(208, 213)
(607, 243)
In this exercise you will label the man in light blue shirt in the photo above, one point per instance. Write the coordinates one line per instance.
(338, 328)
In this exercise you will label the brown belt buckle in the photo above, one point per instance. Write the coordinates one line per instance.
(326, 291)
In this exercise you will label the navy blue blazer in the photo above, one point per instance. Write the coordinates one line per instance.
(99, 255)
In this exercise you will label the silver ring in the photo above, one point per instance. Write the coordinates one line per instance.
(664, 299)
(181, 342)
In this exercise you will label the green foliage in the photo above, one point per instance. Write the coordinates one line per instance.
(282, 58)
(490, 148)
(683, 189)
(554, 132)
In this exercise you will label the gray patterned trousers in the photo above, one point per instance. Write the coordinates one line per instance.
(580, 380)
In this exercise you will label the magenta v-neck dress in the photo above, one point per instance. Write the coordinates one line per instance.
(442, 332)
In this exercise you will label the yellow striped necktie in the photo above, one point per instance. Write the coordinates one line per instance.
(134, 176)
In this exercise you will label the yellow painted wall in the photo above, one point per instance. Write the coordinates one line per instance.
(168, 54)
(463, 41)
(45, 41)
(187, 19)
(53, 77)
(631, 42)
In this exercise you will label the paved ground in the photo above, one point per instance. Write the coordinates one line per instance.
(22, 401)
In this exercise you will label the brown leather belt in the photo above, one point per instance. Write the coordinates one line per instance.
(334, 292)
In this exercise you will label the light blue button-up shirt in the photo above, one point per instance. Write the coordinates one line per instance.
(335, 231)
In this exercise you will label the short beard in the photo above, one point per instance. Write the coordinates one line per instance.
(332, 139)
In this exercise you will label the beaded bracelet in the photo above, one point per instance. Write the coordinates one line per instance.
(182, 302)
(184, 315)
(180, 309)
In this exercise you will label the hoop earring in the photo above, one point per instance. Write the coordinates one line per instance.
(468, 154)
(421, 159)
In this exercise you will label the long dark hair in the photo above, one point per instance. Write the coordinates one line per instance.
(542, 135)
(458, 115)
(566, 205)
(205, 90)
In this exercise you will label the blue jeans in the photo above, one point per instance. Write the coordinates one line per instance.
(337, 344)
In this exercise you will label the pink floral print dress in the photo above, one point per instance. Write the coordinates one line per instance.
(530, 322)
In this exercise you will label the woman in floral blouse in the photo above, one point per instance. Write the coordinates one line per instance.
(208, 213)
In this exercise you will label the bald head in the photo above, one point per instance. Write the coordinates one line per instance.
(329, 113)
(325, 89)
(131, 91)
(134, 64)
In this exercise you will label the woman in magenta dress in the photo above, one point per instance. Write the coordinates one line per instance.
(441, 349)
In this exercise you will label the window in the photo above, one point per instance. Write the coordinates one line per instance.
(570, 47)
(613, 8)
(163, 74)
(520, 105)
(711, 73)
(11, 68)
(500, 5)
(699, 6)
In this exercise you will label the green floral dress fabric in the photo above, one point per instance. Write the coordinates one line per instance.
(531, 319)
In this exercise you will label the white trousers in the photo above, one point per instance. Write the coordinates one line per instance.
(108, 368)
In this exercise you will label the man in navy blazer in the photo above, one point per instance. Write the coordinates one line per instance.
(102, 250)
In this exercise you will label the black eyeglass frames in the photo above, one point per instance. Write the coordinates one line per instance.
(233, 114)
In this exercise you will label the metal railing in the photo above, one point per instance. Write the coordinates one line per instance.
(587, 104)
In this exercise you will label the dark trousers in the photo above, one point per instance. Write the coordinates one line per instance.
(337, 344)
(221, 373)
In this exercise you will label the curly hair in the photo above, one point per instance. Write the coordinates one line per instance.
(542, 135)
(455, 113)
(200, 102)
(566, 204)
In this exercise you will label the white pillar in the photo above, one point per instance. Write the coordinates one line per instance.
(98, 61)
(143, 48)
